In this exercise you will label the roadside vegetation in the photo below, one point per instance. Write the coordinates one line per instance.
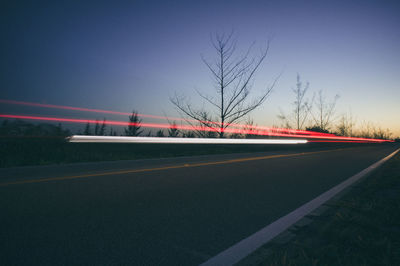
(25, 150)
(23, 144)
(233, 101)
(360, 228)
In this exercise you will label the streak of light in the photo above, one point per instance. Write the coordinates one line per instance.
(188, 127)
(116, 139)
(76, 108)
(254, 128)
(353, 141)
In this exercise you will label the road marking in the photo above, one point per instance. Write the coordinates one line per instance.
(185, 165)
(250, 244)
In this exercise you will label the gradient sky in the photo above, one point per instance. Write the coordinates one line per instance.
(124, 55)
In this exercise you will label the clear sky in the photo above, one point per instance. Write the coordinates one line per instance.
(124, 55)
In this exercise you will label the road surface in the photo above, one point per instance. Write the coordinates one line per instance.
(176, 211)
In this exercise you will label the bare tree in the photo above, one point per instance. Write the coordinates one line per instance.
(369, 130)
(160, 133)
(97, 128)
(134, 126)
(250, 130)
(302, 107)
(365, 130)
(173, 130)
(102, 130)
(380, 133)
(346, 125)
(87, 130)
(233, 77)
(325, 112)
(205, 128)
(188, 134)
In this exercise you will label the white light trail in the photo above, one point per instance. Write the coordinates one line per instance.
(116, 139)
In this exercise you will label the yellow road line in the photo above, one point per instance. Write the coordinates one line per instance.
(186, 165)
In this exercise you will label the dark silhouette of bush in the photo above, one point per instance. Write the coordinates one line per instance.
(173, 130)
(133, 128)
(317, 129)
(19, 128)
(160, 133)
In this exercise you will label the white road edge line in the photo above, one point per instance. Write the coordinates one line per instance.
(248, 245)
(117, 139)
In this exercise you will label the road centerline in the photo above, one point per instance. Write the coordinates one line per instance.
(184, 165)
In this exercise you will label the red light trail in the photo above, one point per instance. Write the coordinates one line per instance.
(199, 128)
(254, 128)
(76, 108)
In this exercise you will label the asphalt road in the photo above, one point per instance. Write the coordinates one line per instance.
(176, 211)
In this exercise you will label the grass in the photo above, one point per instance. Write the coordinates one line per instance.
(24, 151)
(360, 228)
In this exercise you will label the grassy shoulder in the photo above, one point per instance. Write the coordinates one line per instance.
(45, 150)
(360, 228)
(24, 151)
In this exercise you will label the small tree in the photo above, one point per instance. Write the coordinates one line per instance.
(302, 107)
(87, 130)
(233, 77)
(206, 127)
(102, 130)
(250, 129)
(160, 133)
(317, 129)
(380, 133)
(97, 128)
(365, 130)
(346, 125)
(134, 126)
(188, 134)
(173, 130)
(323, 116)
